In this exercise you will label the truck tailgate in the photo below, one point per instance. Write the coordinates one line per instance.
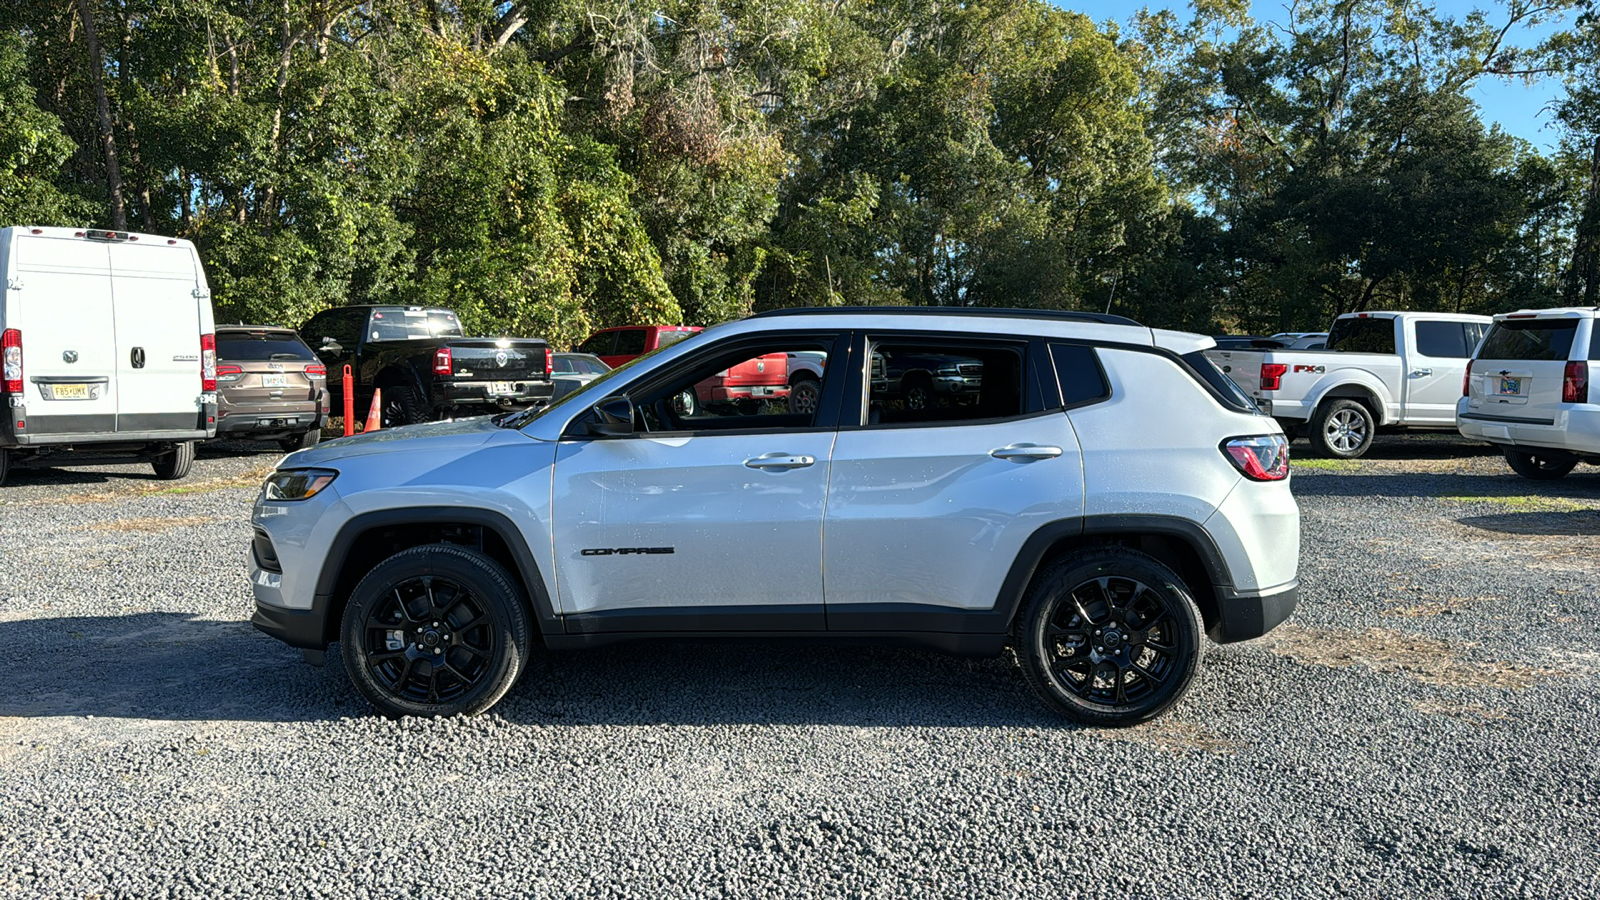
(1243, 367)
(496, 359)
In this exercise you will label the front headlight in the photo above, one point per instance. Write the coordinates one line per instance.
(296, 484)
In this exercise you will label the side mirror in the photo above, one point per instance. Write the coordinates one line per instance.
(613, 416)
(331, 345)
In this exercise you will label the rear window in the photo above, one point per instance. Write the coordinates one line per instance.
(630, 342)
(1362, 336)
(1448, 340)
(668, 338)
(262, 347)
(1530, 339)
(399, 324)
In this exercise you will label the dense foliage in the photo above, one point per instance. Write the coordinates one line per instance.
(550, 166)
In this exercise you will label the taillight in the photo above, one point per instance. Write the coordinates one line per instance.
(1466, 381)
(441, 361)
(1574, 383)
(1261, 458)
(208, 363)
(226, 372)
(11, 350)
(1272, 375)
(549, 361)
(316, 371)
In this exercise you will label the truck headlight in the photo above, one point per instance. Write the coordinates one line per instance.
(296, 484)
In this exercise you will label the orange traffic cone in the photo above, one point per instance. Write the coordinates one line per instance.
(375, 414)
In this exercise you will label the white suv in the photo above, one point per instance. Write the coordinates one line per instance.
(1527, 391)
(1105, 502)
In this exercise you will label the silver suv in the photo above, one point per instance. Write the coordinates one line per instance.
(1106, 502)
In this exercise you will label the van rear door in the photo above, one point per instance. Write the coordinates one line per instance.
(157, 289)
(64, 312)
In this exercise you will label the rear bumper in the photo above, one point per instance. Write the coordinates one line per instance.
(88, 430)
(1241, 617)
(1574, 428)
(479, 393)
(247, 419)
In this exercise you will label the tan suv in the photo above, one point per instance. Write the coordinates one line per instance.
(270, 386)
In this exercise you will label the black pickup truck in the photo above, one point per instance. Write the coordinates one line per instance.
(427, 368)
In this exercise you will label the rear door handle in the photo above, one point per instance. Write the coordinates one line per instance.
(1418, 373)
(1025, 451)
(780, 461)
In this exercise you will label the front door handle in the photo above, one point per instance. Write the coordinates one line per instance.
(1419, 373)
(1025, 451)
(780, 461)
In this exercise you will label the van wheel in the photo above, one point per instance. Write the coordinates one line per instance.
(1539, 466)
(1342, 429)
(175, 463)
(301, 441)
(436, 630)
(1109, 637)
(5, 464)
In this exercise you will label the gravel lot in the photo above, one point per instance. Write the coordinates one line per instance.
(1426, 724)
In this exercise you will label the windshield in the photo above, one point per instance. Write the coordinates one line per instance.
(593, 389)
(400, 324)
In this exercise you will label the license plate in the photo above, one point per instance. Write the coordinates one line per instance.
(762, 391)
(1510, 385)
(273, 380)
(276, 423)
(70, 392)
(501, 387)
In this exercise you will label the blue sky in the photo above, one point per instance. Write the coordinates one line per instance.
(1520, 109)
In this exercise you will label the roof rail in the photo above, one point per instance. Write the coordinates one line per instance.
(990, 312)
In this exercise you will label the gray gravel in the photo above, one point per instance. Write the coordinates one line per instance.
(1427, 724)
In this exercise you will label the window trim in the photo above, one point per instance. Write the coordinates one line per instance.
(1100, 366)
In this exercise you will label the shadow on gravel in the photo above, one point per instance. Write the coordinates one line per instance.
(169, 666)
(1578, 523)
(1417, 446)
(66, 475)
(1443, 485)
(162, 666)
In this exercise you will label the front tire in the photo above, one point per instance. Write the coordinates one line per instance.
(1109, 637)
(1538, 466)
(1342, 429)
(175, 463)
(436, 630)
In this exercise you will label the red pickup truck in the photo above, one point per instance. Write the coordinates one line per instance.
(616, 346)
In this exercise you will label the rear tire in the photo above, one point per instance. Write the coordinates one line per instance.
(804, 395)
(175, 463)
(436, 630)
(301, 441)
(1108, 636)
(1539, 467)
(1342, 429)
(401, 406)
(5, 464)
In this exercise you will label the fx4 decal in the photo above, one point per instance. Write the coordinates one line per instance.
(627, 551)
(1316, 370)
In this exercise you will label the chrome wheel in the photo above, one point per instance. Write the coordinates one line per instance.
(1346, 430)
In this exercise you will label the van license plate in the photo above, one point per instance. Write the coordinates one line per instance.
(1510, 385)
(273, 380)
(70, 391)
(501, 387)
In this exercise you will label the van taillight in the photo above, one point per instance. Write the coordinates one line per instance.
(208, 363)
(1466, 381)
(441, 361)
(1272, 375)
(1574, 384)
(316, 371)
(11, 349)
(549, 361)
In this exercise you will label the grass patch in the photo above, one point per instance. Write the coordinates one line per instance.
(151, 524)
(1326, 465)
(1528, 503)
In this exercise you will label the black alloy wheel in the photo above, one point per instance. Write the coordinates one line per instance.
(436, 630)
(1109, 637)
(919, 395)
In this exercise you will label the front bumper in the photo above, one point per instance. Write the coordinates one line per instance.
(302, 628)
(1241, 617)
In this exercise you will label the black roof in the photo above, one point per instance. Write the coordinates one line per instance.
(996, 312)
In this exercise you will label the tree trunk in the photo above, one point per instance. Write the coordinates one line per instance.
(108, 138)
(1583, 279)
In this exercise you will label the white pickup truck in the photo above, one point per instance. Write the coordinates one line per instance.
(1380, 369)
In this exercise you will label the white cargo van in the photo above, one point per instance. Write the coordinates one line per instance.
(108, 348)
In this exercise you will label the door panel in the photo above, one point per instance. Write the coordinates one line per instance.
(66, 315)
(721, 532)
(935, 515)
(1434, 367)
(158, 323)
